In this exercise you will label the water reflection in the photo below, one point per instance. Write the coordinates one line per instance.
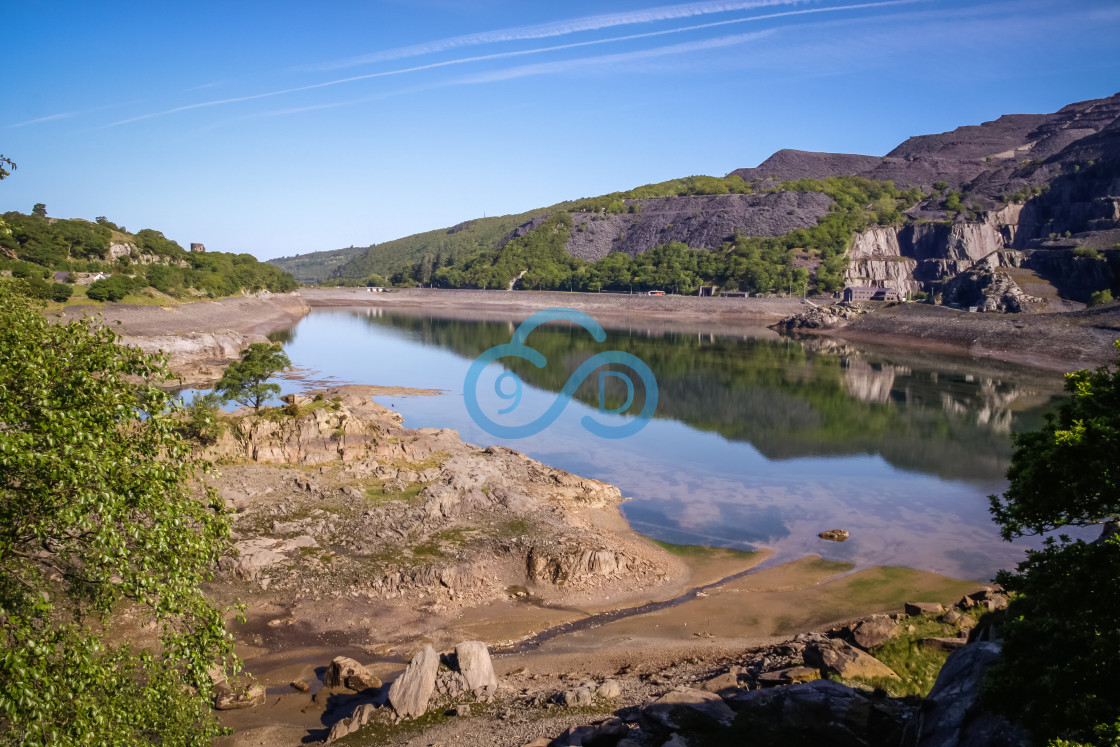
(757, 441)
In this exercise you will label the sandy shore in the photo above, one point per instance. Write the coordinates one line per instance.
(480, 303)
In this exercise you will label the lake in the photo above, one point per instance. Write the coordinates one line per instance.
(758, 441)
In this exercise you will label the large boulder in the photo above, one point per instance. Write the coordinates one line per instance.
(847, 660)
(874, 632)
(347, 726)
(821, 712)
(476, 667)
(226, 698)
(666, 709)
(346, 672)
(409, 693)
(950, 716)
(916, 609)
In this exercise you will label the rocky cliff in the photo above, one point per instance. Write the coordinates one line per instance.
(1032, 188)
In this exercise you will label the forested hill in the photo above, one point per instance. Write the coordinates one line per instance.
(63, 258)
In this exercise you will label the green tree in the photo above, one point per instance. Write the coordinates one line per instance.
(110, 289)
(5, 173)
(1062, 633)
(246, 381)
(99, 510)
(1099, 297)
(39, 210)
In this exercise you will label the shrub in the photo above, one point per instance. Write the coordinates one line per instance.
(110, 289)
(1100, 297)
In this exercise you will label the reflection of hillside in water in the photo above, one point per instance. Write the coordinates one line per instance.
(933, 414)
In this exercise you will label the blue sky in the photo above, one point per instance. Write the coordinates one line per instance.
(285, 127)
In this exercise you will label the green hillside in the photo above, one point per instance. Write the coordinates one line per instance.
(317, 266)
(35, 247)
(446, 246)
(443, 245)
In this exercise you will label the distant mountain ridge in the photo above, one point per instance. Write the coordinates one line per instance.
(1025, 183)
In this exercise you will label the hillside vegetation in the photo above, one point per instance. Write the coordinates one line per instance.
(35, 247)
(447, 245)
(539, 260)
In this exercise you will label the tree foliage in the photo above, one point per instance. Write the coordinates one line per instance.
(753, 263)
(246, 381)
(1062, 633)
(99, 511)
(84, 246)
(1068, 472)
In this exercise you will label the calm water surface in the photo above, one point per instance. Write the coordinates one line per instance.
(758, 441)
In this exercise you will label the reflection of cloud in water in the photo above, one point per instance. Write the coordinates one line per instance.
(755, 443)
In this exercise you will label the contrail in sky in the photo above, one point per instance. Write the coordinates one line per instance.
(559, 28)
(516, 53)
(644, 54)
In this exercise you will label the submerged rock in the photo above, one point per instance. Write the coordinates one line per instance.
(836, 535)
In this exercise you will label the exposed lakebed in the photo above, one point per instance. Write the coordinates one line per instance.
(758, 442)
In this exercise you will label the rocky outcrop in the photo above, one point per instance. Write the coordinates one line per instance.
(398, 512)
(847, 661)
(823, 712)
(951, 716)
(819, 318)
(667, 709)
(197, 358)
(986, 289)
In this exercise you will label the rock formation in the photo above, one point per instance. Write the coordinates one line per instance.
(409, 693)
(404, 513)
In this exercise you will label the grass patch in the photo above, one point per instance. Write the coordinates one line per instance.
(894, 586)
(376, 494)
(831, 567)
(916, 665)
(704, 552)
(436, 545)
(515, 528)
